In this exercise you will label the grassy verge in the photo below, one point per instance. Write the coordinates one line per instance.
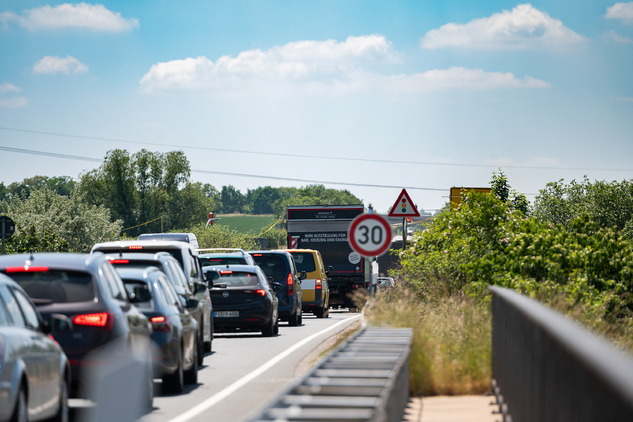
(452, 346)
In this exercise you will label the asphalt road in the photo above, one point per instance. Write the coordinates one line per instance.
(244, 372)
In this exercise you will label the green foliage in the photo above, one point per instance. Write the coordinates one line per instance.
(61, 185)
(247, 224)
(48, 222)
(217, 236)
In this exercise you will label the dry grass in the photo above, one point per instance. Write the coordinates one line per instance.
(452, 346)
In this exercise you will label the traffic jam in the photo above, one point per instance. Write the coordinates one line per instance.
(147, 310)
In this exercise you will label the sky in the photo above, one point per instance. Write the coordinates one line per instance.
(364, 95)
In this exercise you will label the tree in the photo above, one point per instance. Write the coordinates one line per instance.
(263, 199)
(62, 185)
(48, 222)
(501, 188)
(232, 200)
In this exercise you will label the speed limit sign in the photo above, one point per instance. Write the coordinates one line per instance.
(370, 235)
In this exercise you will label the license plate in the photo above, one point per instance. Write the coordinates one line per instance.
(226, 314)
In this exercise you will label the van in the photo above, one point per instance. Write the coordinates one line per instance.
(181, 237)
(315, 288)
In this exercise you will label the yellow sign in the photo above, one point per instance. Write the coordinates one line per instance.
(457, 193)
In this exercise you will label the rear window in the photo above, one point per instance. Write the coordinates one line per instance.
(304, 261)
(56, 286)
(139, 291)
(225, 260)
(173, 252)
(234, 278)
(273, 265)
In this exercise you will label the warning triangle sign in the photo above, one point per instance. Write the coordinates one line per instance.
(404, 207)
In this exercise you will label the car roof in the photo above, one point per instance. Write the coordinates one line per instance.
(146, 244)
(221, 252)
(232, 267)
(273, 252)
(65, 260)
(148, 256)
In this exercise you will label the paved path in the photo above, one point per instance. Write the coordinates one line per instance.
(452, 409)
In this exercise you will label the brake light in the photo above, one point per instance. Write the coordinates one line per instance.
(317, 284)
(226, 272)
(258, 254)
(100, 319)
(260, 292)
(135, 247)
(160, 323)
(119, 261)
(27, 269)
(291, 285)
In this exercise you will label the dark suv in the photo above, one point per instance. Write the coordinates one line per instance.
(88, 290)
(280, 268)
(188, 259)
(169, 265)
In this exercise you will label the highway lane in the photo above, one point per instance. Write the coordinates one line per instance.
(246, 371)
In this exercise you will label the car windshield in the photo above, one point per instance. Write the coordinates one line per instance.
(234, 278)
(56, 286)
(221, 260)
(304, 261)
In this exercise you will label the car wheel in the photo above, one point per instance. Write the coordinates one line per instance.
(318, 312)
(300, 322)
(293, 321)
(20, 412)
(63, 413)
(175, 382)
(200, 349)
(191, 374)
(269, 329)
(208, 345)
(276, 328)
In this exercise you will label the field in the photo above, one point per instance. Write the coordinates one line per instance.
(247, 224)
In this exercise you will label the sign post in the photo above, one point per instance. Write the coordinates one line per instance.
(404, 207)
(7, 228)
(369, 235)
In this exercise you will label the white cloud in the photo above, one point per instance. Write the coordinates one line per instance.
(81, 15)
(317, 67)
(613, 36)
(292, 62)
(52, 65)
(621, 11)
(523, 27)
(11, 102)
(461, 78)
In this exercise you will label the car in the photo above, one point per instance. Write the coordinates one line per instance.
(175, 331)
(223, 256)
(181, 237)
(315, 290)
(244, 299)
(175, 275)
(385, 283)
(34, 370)
(280, 268)
(87, 289)
(189, 261)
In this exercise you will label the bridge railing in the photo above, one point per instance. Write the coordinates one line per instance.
(549, 368)
(365, 379)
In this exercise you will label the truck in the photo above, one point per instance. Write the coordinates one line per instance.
(324, 228)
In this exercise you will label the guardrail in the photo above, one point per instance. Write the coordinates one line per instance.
(365, 379)
(548, 368)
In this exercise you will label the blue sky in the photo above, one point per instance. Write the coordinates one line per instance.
(369, 96)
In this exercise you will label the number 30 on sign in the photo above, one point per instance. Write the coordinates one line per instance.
(370, 235)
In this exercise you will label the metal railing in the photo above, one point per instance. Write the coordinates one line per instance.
(549, 368)
(365, 379)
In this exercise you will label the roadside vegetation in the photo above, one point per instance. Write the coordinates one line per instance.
(572, 250)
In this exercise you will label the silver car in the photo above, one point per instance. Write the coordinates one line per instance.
(34, 371)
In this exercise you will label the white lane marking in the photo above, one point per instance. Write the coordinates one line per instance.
(221, 395)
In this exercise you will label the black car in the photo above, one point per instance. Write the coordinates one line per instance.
(88, 290)
(243, 299)
(165, 262)
(279, 267)
(189, 261)
(34, 371)
(174, 329)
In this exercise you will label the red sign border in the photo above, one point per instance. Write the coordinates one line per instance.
(393, 213)
(352, 240)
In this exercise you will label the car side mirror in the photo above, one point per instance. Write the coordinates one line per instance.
(329, 271)
(199, 287)
(303, 275)
(277, 286)
(59, 323)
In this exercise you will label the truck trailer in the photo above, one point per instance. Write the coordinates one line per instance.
(324, 228)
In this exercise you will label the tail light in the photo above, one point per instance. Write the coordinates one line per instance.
(226, 272)
(135, 247)
(291, 285)
(119, 261)
(160, 323)
(27, 269)
(260, 292)
(318, 284)
(100, 319)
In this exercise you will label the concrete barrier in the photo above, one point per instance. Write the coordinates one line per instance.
(364, 379)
